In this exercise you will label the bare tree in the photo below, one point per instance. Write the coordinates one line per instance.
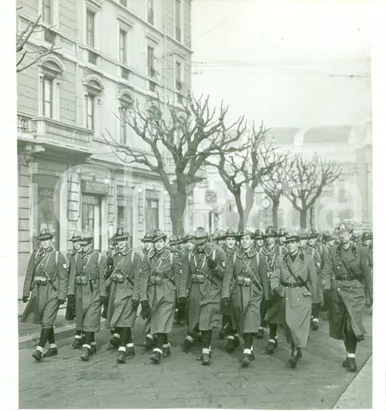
(244, 170)
(180, 146)
(276, 182)
(21, 50)
(306, 179)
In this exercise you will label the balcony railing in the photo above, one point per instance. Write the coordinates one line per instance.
(25, 124)
(54, 130)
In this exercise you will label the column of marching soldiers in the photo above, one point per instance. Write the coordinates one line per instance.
(238, 282)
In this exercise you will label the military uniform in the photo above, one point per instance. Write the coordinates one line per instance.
(345, 275)
(294, 280)
(205, 269)
(45, 289)
(367, 244)
(87, 285)
(246, 272)
(161, 270)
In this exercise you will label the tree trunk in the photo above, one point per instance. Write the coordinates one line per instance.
(312, 216)
(177, 209)
(240, 210)
(275, 209)
(303, 218)
(249, 200)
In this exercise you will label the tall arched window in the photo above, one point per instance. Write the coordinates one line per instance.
(49, 89)
(125, 106)
(93, 91)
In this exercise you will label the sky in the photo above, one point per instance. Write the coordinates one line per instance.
(286, 63)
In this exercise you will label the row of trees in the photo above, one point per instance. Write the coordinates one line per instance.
(195, 137)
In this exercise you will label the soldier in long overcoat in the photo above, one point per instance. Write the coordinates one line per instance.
(45, 289)
(161, 270)
(317, 301)
(87, 285)
(270, 252)
(124, 289)
(72, 257)
(233, 340)
(344, 276)
(294, 279)
(367, 244)
(205, 269)
(245, 271)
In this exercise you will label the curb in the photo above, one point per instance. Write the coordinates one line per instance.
(341, 403)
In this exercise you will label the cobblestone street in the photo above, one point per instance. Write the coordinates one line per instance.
(181, 381)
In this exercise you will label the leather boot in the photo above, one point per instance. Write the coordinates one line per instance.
(270, 347)
(166, 352)
(260, 334)
(352, 365)
(37, 355)
(296, 354)
(130, 352)
(148, 343)
(77, 343)
(231, 345)
(205, 359)
(246, 360)
(51, 352)
(85, 354)
(345, 363)
(156, 357)
(93, 349)
(315, 324)
(187, 344)
(121, 359)
(113, 343)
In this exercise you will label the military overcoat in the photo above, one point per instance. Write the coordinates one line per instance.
(243, 283)
(346, 272)
(124, 285)
(47, 280)
(202, 286)
(296, 301)
(87, 283)
(161, 272)
(314, 253)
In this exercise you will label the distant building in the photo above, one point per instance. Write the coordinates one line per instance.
(107, 55)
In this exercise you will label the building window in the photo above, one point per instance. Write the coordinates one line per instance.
(123, 46)
(126, 104)
(92, 218)
(48, 97)
(90, 107)
(90, 27)
(152, 210)
(178, 18)
(150, 11)
(125, 211)
(179, 82)
(123, 2)
(47, 212)
(47, 11)
(150, 61)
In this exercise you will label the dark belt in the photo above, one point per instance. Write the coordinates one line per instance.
(291, 285)
(345, 278)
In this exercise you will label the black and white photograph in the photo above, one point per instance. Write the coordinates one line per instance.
(194, 214)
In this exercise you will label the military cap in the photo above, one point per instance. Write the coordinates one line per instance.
(292, 236)
(174, 240)
(303, 233)
(282, 232)
(229, 232)
(121, 235)
(220, 235)
(86, 236)
(75, 236)
(188, 237)
(327, 236)
(200, 233)
(343, 228)
(148, 238)
(270, 231)
(312, 233)
(45, 234)
(158, 235)
(245, 232)
(367, 235)
(258, 235)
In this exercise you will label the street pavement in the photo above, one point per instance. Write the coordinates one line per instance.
(181, 381)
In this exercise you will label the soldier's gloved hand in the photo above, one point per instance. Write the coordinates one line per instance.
(135, 304)
(145, 311)
(182, 300)
(224, 304)
(61, 301)
(276, 292)
(25, 299)
(212, 264)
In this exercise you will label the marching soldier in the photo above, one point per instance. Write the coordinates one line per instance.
(72, 258)
(258, 236)
(367, 244)
(270, 252)
(124, 289)
(205, 272)
(246, 272)
(344, 276)
(175, 248)
(294, 280)
(304, 236)
(233, 340)
(328, 239)
(45, 288)
(282, 236)
(161, 270)
(87, 287)
(147, 241)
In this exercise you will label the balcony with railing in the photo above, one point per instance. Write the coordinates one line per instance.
(44, 130)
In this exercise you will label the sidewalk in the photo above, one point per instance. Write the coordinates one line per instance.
(358, 394)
